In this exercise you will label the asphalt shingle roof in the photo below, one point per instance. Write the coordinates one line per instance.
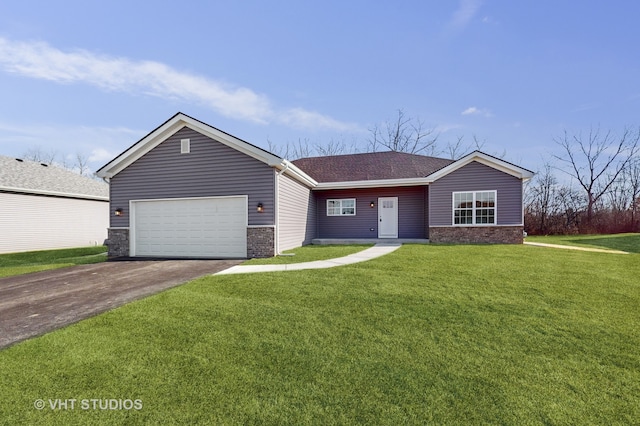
(370, 166)
(29, 176)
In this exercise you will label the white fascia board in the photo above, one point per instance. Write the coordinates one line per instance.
(169, 128)
(487, 160)
(52, 193)
(295, 172)
(373, 183)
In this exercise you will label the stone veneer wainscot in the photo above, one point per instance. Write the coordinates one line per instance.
(476, 234)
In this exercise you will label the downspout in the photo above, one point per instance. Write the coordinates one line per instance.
(277, 205)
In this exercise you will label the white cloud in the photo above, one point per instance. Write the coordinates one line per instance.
(301, 118)
(477, 111)
(465, 12)
(42, 61)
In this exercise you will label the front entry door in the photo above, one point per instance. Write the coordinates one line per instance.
(388, 217)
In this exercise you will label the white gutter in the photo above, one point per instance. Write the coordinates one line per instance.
(276, 204)
(53, 193)
(373, 183)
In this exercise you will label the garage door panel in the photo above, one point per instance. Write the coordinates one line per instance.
(202, 227)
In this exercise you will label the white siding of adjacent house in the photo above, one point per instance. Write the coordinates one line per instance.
(29, 222)
(296, 214)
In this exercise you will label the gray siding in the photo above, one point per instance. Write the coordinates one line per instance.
(296, 205)
(210, 169)
(476, 177)
(411, 213)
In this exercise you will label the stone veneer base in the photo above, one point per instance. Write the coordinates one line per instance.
(261, 242)
(476, 234)
(118, 242)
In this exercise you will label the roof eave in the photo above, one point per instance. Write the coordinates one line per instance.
(378, 183)
(287, 167)
(28, 191)
(171, 126)
(487, 160)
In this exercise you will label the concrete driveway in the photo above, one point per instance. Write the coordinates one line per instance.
(34, 304)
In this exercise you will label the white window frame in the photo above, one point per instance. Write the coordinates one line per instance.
(185, 146)
(341, 208)
(474, 209)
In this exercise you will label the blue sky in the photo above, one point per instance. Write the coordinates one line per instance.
(94, 77)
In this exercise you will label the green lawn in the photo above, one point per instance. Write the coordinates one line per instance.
(310, 253)
(34, 261)
(624, 242)
(429, 334)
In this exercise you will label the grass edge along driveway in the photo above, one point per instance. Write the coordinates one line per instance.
(35, 261)
(428, 334)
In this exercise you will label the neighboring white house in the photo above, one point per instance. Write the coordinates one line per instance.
(46, 207)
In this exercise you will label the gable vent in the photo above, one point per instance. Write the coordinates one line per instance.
(185, 146)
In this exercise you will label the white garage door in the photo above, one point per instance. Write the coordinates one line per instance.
(193, 227)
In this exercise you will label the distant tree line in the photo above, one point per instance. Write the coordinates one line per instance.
(403, 133)
(598, 190)
(593, 186)
(79, 163)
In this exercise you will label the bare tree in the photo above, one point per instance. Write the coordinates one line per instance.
(38, 155)
(404, 134)
(632, 178)
(292, 151)
(597, 161)
(455, 150)
(540, 198)
(332, 147)
(81, 164)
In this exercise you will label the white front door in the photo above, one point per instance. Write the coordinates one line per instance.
(388, 217)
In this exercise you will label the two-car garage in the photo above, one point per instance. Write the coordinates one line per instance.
(207, 227)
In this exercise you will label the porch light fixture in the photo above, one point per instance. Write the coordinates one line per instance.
(260, 208)
(118, 212)
(372, 204)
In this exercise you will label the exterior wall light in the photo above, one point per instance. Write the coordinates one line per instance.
(118, 212)
(372, 204)
(260, 208)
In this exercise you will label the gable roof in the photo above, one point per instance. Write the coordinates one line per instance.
(391, 168)
(370, 166)
(29, 177)
(487, 160)
(180, 120)
(366, 170)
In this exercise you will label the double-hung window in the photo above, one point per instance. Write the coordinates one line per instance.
(342, 207)
(474, 208)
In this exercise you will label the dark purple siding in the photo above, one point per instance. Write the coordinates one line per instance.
(210, 169)
(411, 213)
(476, 177)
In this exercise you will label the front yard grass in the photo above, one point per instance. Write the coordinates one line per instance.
(34, 261)
(429, 334)
(311, 253)
(623, 242)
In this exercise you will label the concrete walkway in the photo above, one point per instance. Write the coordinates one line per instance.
(368, 254)
(574, 248)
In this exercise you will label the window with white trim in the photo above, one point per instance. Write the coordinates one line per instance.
(342, 207)
(474, 208)
(185, 146)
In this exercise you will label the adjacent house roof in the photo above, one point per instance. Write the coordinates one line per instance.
(29, 177)
(370, 166)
